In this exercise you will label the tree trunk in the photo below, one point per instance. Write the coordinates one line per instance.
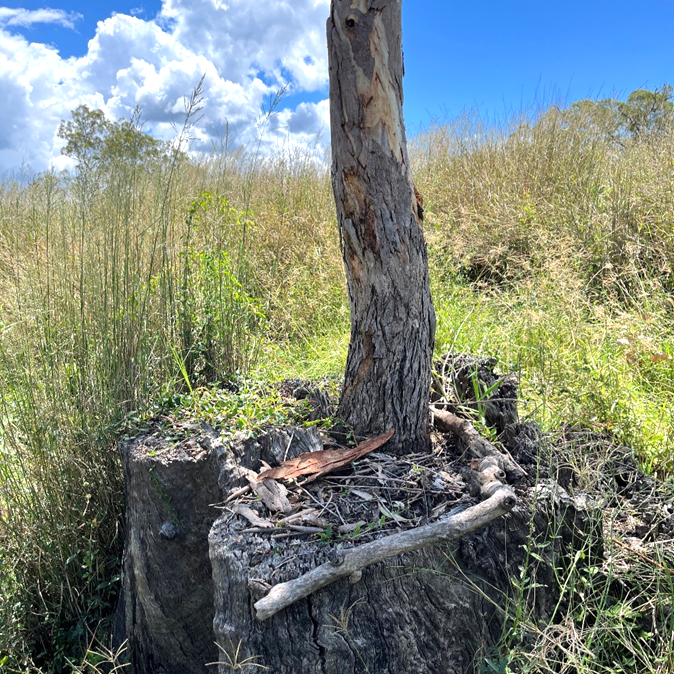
(388, 370)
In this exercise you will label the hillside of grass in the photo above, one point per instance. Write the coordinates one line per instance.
(148, 276)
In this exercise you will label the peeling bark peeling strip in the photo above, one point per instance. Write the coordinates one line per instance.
(354, 192)
(382, 108)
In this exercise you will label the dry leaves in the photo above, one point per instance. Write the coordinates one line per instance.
(321, 463)
(640, 346)
(271, 493)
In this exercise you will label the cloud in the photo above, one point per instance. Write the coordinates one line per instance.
(277, 37)
(246, 50)
(27, 17)
(37, 87)
(309, 119)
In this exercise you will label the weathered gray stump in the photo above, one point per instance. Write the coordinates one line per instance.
(165, 614)
(435, 611)
(190, 580)
(166, 610)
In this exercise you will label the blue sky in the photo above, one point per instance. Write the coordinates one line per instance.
(503, 56)
(73, 41)
(498, 57)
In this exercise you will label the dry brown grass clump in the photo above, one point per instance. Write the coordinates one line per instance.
(547, 193)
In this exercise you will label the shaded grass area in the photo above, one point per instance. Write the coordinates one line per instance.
(122, 292)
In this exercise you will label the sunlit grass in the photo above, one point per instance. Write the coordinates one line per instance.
(548, 247)
(577, 363)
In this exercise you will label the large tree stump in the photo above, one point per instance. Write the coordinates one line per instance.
(435, 611)
(190, 580)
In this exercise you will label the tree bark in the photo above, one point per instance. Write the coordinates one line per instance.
(388, 370)
(166, 609)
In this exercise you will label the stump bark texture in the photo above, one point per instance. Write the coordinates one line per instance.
(435, 611)
(190, 580)
(166, 610)
(379, 212)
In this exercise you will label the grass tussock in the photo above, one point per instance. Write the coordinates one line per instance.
(550, 244)
(614, 612)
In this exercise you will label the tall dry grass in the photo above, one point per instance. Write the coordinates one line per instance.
(552, 246)
(551, 193)
(549, 247)
(117, 291)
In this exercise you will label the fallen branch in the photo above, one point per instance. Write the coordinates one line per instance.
(257, 521)
(475, 444)
(487, 479)
(352, 562)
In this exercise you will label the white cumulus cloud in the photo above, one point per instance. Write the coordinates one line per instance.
(275, 37)
(246, 50)
(37, 86)
(10, 16)
(308, 119)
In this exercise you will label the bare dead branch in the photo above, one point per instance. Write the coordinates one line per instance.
(474, 443)
(351, 563)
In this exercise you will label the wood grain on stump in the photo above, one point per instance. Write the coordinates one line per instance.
(435, 611)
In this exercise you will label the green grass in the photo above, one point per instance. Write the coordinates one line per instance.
(614, 613)
(122, 291)
(572, 363)
(577, 361)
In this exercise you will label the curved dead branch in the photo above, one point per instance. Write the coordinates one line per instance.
(472, 442)
(350, 563)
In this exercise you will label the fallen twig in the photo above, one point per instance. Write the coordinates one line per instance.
(305, 530)
(474, 443)
(257, 521)
(238, 492)
(646, 558)
(352, 562)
